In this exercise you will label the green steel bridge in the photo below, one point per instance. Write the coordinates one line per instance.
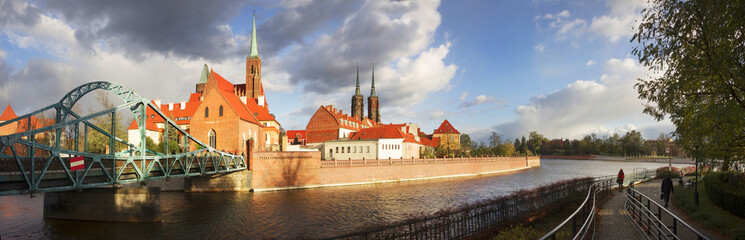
(36, 158)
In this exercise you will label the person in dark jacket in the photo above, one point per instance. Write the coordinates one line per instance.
(667, 188)
(619, 180)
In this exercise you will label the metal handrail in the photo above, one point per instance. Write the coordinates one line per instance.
(646, 219)
(588, 212)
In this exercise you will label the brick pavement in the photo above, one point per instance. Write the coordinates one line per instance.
(614, 222)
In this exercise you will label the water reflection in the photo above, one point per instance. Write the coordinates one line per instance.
(320, 212)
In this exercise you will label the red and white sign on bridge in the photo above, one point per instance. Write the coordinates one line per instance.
(77, 163)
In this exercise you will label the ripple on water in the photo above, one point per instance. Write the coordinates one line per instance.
(320, 212)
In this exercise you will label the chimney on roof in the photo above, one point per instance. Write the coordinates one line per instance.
(170, 106)
(341, 111)
(157, 102)
(183, 105)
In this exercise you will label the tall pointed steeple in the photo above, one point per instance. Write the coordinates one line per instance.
(358, 108)
(373, 104)
(254, 48)
(357, 91)
(372, 89)
(254, 88)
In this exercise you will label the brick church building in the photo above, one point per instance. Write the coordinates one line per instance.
(329, 123)
(221, 114)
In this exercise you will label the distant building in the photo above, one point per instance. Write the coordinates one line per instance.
(381, 142)
(448, 135)
(296, 137)
(329, 123)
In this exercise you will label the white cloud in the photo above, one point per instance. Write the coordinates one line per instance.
(590, 63)
(613, 26)
(583, 107)
(3, 53)
(478, 100)
(463, 96)
(540, 47)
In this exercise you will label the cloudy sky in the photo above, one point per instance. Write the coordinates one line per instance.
(562, 68)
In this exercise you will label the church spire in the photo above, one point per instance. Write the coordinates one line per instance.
(372, 90)
(357, 91)
(254, 48)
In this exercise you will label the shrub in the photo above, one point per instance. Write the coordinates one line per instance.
(518, 232)
(665, 171)
(726, 194)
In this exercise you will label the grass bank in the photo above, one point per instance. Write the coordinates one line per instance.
(707, 213)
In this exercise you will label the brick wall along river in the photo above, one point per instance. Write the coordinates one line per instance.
(318, 212)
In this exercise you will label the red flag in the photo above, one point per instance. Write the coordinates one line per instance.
(77, 163)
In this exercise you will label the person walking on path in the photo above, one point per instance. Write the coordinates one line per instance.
(667, 188)
(619, 180)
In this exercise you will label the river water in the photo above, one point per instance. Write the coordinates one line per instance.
(320, 212)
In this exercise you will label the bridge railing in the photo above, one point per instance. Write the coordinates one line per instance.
(582, 221)
(641, 210)
(36, 156)
(470, 220)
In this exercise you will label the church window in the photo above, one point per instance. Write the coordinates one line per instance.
(252, 69)
(220, 111)
(206, 112)
(213, 138)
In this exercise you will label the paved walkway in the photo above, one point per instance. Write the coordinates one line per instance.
(614, 222)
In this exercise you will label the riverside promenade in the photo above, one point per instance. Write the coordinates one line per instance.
(615, 223)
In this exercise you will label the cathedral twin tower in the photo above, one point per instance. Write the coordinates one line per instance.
(373, 106)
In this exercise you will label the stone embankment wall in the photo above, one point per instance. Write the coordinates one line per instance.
(291, 170)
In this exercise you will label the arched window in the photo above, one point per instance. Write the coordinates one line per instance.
(220, 111)
(206, 112)
(213, 138)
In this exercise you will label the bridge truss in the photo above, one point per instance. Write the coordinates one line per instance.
(36, 158)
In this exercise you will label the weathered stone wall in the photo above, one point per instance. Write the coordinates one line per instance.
(284, 169)
(105, 204)
(235, 181)
(288, 170)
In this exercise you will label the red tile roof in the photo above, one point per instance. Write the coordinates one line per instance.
(431, 142)
(261, 113)
(446, 128)
(8, 114)
(377, 133)
(291, 134)
(411, 139)
(226, 90)
(343, 120)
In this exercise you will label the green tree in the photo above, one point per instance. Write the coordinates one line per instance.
(465, 142)
(150, 145)
(173, 140)
(494, 140)
(97, 141)
(524, 146)
(535, 141)
(505, 149)
(697, 46)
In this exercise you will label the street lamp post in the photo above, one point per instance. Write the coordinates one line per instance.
(695, 191)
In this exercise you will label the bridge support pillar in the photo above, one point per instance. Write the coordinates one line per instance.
(225, 182)
(104, 204)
